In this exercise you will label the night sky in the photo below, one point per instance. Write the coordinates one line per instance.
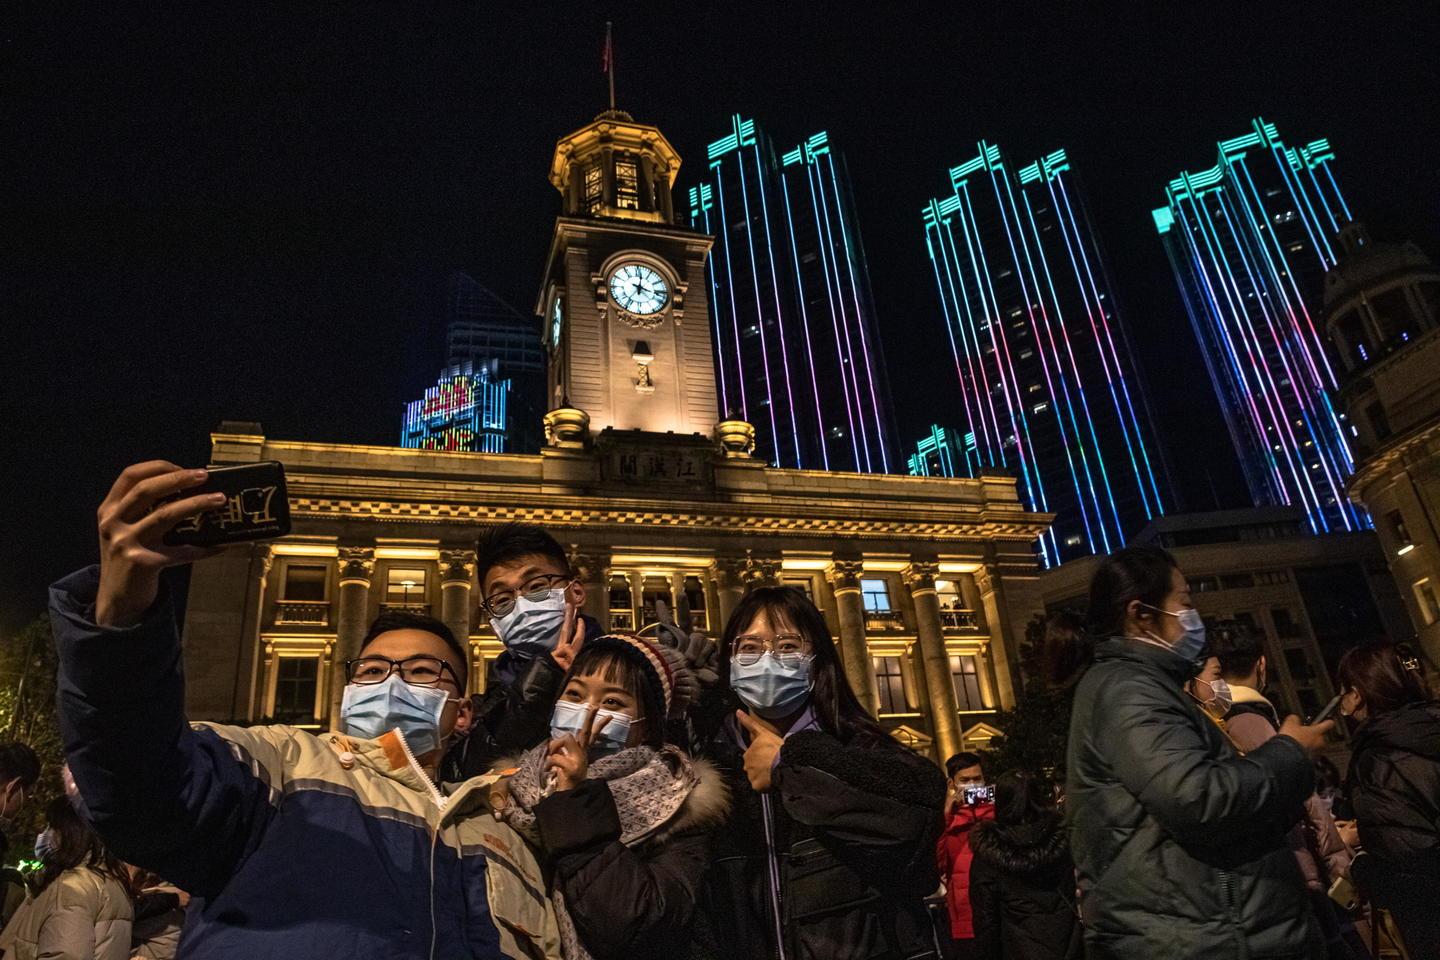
(241, 215)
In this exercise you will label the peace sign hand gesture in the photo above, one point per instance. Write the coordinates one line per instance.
(569, 757)
(572, 638)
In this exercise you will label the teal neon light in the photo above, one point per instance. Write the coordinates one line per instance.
(1241, 238)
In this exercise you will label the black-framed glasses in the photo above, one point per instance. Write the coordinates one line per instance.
(787, 648)
(422, 671)
(501, 602)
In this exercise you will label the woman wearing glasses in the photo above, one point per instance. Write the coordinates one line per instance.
(829, 851)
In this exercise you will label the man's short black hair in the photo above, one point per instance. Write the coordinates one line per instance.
(507, 542)
(1237, 647)
(404, 620)
(17, 760)
(961, 761)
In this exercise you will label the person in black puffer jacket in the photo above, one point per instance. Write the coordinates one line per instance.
(830, 848)
(1179, 842)
(1022, 881)
(532, 599)
(1394, 787)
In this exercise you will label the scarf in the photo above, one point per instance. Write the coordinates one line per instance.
(649, 787)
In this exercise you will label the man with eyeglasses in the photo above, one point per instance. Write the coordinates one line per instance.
(291, 844)
(532, 600)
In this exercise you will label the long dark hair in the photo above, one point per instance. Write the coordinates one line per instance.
(1022, 797)
(1069, 649)
(1387, 676)
(76, 845)
(1136, 573)
(835, 705)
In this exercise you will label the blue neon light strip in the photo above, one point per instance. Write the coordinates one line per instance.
(1241, 289)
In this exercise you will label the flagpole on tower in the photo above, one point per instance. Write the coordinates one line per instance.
(610, 63)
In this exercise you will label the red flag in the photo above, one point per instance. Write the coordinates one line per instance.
(607, 54)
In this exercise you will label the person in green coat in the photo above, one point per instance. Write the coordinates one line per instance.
(1178, 839)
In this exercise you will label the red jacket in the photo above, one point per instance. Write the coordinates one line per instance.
(953, 855)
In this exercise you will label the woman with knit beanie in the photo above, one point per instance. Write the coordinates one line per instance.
(620, 818)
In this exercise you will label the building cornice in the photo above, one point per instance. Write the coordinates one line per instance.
(1373, 468)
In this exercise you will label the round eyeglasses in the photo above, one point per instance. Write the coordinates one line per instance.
(788, 649)
(501, 602)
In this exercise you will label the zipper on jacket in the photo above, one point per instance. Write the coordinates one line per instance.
(1232, 913)
(772, 863)
(435, 793)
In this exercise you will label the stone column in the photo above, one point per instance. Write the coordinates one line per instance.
(725, 574)
(1003, 641)
(844, 577)
(593, 569)
(353, 619)
(264, 560)
(920, 578)
(457, 571)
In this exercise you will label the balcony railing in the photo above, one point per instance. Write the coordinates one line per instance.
(309, 612)
(421, 608)
(884, 620)
(959, 620)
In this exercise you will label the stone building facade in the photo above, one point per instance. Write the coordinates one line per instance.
(926, 583)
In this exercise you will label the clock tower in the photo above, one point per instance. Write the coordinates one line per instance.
(623, 298)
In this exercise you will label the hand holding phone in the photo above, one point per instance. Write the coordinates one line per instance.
(256, 507)
(974, 796)
(1329, 709)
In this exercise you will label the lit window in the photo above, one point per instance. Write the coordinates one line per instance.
(876, 595)
(1428, 602)
(1074, 540)
(594, 183)
(965, 675)
(1040, 408)
(1397, 528)
(890, 685)
(627, 180)
(405, 585)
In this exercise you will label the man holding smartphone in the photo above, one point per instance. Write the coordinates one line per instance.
(292, 844)
(965, 806)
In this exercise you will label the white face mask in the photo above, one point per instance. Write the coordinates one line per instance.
(369, 710)
(533, 626)
(569, 719)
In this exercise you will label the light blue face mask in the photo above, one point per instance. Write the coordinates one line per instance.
(369, 710)
(44, 845)
(1192, 641)
(533, 626)
(771, 688)
(569, 717)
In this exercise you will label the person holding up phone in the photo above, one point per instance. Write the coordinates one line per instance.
(532, 599)
(966, 805)
(829, 850)
(341, 845)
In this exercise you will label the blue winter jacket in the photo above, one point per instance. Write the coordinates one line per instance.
(293, 845)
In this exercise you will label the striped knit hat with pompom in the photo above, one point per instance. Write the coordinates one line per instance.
(660, 668)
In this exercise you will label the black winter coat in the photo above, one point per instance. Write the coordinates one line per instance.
(1022, 891)
(1179, 842)
(854, 828)
(636, 902)
(1394, 786)
(512, 715)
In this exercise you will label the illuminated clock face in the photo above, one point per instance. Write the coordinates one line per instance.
(557, 319)
(638, 289)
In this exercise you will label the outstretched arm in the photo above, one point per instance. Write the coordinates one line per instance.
(183, 803)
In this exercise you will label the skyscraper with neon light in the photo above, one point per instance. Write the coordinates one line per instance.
(1249, 240)
(465, 410)
(797, 351)
(938, 454)
(1047, 380)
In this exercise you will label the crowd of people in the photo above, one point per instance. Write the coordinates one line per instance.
(662, 794)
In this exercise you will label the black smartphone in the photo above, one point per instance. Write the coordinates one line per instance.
(1329, 709)
(257, 507)
(977, 795)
